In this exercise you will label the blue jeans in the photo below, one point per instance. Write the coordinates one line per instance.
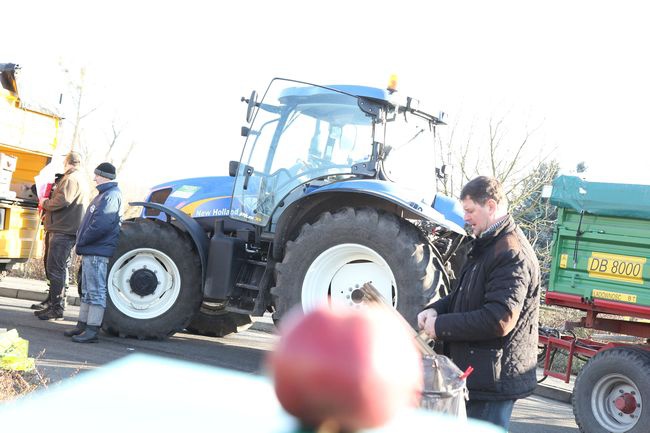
(57, 261)
(495, 411)
(93, 280)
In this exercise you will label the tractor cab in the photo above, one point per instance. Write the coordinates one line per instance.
(306, 134)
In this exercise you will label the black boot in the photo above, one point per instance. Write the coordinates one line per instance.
(88, 336)
(41, 306)
(53, 312)
(81, 327)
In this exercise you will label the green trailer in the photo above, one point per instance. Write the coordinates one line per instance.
(601, 265)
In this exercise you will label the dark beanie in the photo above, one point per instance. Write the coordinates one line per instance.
(105, 169)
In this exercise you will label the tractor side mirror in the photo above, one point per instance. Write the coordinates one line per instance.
(252, 103)
(233, 168)
(442, 172)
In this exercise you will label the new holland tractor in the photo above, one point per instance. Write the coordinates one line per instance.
(335, 188)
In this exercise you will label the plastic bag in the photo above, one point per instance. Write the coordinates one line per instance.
(13, 352)
(445, 389)
(46, 177)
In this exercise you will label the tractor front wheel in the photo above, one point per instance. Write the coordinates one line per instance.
(154, 281)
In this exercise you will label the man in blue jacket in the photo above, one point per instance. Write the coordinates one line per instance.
(96, 242)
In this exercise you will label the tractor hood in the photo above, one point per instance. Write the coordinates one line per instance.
(197, 197)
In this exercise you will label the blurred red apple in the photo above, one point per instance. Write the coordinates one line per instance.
(352, 367)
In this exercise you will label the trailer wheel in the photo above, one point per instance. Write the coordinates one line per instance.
(154, 281)
(212, 320)
(612, 392)
(334, 256)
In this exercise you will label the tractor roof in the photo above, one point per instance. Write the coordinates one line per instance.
(338, 95)
(315, 92)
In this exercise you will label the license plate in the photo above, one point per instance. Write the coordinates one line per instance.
(616, 267)
(614, 296)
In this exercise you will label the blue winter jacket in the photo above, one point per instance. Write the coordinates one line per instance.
(100, 228)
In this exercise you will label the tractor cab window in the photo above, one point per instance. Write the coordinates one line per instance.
(300, 133)
(328, 147)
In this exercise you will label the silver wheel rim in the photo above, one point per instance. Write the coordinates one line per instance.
(603, 403)
(336, 275)
(152, 305)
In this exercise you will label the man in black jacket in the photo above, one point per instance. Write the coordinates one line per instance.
(489, 322)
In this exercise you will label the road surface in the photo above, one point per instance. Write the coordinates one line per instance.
(60, 358)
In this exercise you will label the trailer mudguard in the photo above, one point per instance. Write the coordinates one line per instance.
(190, 225)
(442, 211)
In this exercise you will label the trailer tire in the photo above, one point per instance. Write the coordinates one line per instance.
(336, 243)
(167, 290)
(212, 320)
(611, 377)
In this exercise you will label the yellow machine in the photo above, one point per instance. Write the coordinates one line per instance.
(28, 138)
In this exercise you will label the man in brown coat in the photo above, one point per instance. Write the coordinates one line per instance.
(63, 213)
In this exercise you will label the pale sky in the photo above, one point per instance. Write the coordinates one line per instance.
(175, 71)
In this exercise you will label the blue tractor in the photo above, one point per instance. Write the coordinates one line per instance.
(335, 187)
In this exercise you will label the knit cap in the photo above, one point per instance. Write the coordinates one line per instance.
(105, 169)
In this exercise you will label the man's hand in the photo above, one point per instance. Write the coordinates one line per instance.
(427, 322)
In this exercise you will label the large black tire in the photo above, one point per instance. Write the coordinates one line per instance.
(609, 376)
(154, 281)
(399, 243)
(212, 320)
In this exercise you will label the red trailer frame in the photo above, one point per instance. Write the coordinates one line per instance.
(586, 347)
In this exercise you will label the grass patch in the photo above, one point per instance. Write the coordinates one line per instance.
(554, 318)
(15, 384)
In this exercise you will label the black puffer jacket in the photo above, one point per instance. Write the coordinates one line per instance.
(499, 279)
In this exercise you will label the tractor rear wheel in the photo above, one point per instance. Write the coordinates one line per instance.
(612, 392)
(334, 256)
(154, 281)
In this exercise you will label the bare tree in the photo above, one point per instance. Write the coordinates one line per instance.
(104, 137)
(76, 89)
(498, 153)
(117, 152)
(116, 132)
(535, 215)
(522, 164)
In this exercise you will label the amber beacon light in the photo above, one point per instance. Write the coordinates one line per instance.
(392, 83)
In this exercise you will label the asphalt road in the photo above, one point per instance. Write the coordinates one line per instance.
(540, 415)
(58, 358)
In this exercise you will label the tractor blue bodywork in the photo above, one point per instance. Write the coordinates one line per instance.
(310, 149)
(210, 197)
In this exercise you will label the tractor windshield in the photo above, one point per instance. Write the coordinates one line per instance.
(300, 133)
